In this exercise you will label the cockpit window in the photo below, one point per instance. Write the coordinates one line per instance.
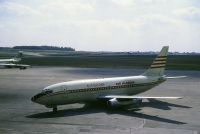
(47, 91)
(43, 93)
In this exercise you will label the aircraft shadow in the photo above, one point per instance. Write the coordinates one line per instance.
(154, 103)
(87, 109)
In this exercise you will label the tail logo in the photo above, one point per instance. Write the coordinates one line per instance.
(159, 62)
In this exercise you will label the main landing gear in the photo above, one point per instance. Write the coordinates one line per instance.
(22, 68)
(55, 109)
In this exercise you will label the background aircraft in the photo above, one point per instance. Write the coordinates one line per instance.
(115, 91)
(12, 63)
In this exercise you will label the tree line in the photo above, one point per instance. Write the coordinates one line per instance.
(42, 48)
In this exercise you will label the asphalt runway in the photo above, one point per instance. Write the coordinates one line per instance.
(19, 115)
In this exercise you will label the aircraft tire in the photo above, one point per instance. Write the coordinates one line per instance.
(55, 109)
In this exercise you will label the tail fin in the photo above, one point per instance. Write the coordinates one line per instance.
(157, 68)
(19, 55)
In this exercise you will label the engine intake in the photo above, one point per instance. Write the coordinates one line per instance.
(123, 102)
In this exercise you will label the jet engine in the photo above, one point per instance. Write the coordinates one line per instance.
(123, 102)
(113, 102)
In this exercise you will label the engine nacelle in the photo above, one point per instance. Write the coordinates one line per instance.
(123, 102)
(113, 102)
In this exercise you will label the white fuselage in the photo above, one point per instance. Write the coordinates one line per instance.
(92, 89)
(7, 60)
(12, 60)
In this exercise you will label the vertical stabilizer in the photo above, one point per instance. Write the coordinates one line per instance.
(18, 57)
(158, 66)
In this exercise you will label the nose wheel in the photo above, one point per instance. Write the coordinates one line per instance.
(55, 109)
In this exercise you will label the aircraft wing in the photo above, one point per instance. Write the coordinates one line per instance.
(11, 65)
(136, 97)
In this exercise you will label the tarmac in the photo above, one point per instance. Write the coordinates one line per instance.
(18, 114)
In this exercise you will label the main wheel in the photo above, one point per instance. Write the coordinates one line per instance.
(55, 109)
(22, 68)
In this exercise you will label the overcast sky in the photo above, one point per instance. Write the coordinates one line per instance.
(102, 25)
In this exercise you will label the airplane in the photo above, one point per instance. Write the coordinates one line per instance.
(115, 91)
(11, 63)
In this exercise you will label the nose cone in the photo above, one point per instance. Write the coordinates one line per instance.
(38, 98)
(33, 99)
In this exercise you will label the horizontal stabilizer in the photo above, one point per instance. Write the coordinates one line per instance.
(176, 77)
